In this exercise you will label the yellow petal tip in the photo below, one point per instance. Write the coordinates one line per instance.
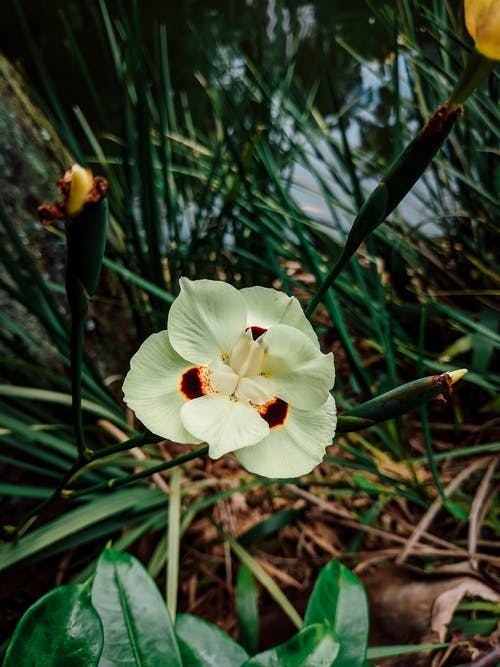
(482, 19)
(81, 182)
(457, 375)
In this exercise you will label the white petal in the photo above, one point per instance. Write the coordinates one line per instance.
(206, 320)
(223, 379)
(295, 448)
(151, 388)
(266, 306)
(226, 424)
(302, 374)
(257, 389)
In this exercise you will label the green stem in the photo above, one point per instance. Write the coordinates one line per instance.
(77, 328)
(476, 70)
(174, 520)
(407, 168)
(76, 469)
(325, 285)
(122, 481)
(29, 519)
(137, 441)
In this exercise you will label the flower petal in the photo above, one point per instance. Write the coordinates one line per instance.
(302, 374)
(482, 18)
(226, 424)
(206, 320)
(295, 448)
(266, 307)
(151, 388)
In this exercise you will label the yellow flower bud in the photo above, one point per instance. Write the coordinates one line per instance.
(81, 182)
(482, 18)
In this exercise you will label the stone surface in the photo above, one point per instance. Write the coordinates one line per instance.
(31, 157)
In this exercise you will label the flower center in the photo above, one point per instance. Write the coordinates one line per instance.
(242, 376)
(239, 376)
(247, 356)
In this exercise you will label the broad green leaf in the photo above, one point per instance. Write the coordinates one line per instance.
(247, 609)
(338, 599)
(204, 645)
(61, 629)
(315, 646)
(137, 628)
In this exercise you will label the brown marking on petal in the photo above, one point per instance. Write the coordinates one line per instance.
(256, 331)
(194, 383)
(99, 189)
(275, 412)
(48, 213)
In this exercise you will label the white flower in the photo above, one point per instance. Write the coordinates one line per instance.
(242, 371)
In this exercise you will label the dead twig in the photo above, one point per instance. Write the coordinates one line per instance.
(478, 510)
(431, 513)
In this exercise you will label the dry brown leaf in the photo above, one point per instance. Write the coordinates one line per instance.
(409, 606)
(446, 603)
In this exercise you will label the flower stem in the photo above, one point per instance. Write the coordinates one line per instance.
(146, 438)
(77, 328)
(127, 479)
(75, 471)
(407, 168)
(174, 517)
(29, 519)
(476, 70)
(392, 188)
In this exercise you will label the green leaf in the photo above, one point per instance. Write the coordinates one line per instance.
(457, 510)
(247, 609)
(61, 629)
(380, 652)
(55, 535)
(204, 645)
(137, 627)
(315, 646)
(265, 580)
(483, 348)
(338, 598)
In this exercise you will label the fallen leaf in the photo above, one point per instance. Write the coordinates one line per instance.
(446, 603)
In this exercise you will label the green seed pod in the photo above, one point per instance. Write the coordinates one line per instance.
(86, 241)
(398, 401)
